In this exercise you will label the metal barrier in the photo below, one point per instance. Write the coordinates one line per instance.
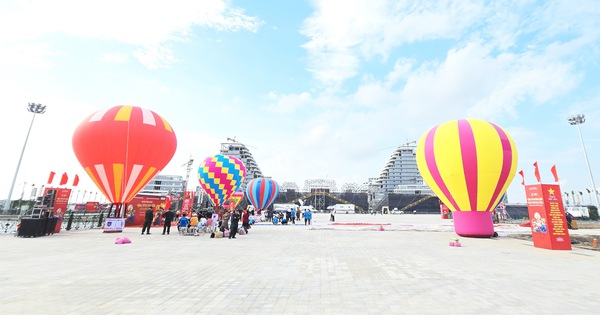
(79, 221)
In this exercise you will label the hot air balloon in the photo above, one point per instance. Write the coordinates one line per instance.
(261, 192)
(221, 175)
(122, 148)
(469, 164)
(234, 200)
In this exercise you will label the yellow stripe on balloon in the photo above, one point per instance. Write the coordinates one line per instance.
(95, 180)
(118, 180)
(448, 157)
(149, 174)
(124, 113)
(166, 124)
(489, 161)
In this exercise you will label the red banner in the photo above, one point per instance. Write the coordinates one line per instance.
(92, 206)
(186, 206)
(61, 200)
(547, 216)
(136, 208)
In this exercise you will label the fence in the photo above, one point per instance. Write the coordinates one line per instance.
(73, 221)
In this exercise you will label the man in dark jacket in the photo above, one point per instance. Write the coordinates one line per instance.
(148, 221)
(169, 216)
(235, 219)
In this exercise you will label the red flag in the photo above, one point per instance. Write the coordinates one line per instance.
(64, 179)
(76, 180)
(523, 176)
(553, 170)
(51, 177)
(536, 172)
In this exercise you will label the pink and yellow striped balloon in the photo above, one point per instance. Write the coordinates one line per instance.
(468, 163)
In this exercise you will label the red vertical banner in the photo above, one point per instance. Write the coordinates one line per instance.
(547, 216)
(60, 206)
(186, 207)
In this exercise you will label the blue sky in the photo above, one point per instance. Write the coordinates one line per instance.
(317, 89)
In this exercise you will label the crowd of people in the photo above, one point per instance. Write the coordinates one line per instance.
(227, 221)
(290, 216)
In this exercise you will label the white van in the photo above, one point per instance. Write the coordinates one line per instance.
(284, 207)
(342, 208)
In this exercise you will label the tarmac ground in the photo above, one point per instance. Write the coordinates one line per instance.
(409, 268)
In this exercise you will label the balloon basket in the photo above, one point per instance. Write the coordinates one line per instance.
(473, 223)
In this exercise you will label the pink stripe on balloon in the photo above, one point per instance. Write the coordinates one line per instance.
(506, 165)
(468, 151)
(433, 169)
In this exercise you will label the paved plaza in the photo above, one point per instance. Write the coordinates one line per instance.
(319, 269)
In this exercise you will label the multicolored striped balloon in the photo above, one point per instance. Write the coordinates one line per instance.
(261, 192)
(122, 148)
(233, 201)
(468, 163)
(221, 175)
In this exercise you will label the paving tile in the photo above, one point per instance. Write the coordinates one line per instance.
(319, 269)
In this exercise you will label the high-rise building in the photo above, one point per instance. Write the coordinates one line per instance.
(163, 185)
(401, 174)
(240, 151)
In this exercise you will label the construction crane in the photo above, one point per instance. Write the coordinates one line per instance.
(188, 169)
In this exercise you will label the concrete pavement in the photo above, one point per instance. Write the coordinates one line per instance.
(319, 269)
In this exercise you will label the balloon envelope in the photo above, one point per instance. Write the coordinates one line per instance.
(122, 148)
(221, 175)
(468, 163)
(234, 200)
(261, 192)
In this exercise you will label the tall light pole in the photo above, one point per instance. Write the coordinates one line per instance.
(578, 120)
(35, 109)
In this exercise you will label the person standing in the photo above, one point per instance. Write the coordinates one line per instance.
(168, 216)
(332, 216)
(307, 217)
(293, 217)
(149, 215)
(235, 219)
(298, 215)
(569, 220)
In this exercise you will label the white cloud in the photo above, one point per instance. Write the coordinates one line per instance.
(340, 35)
(154, 57)
(140, 23)
(115, 57)
(26, 56)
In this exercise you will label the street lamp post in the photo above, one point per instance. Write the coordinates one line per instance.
(35, 109)
(578, 120)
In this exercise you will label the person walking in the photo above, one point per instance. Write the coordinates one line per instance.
(149, 215)
(246, 221)
(235, 219)
(168, 216)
